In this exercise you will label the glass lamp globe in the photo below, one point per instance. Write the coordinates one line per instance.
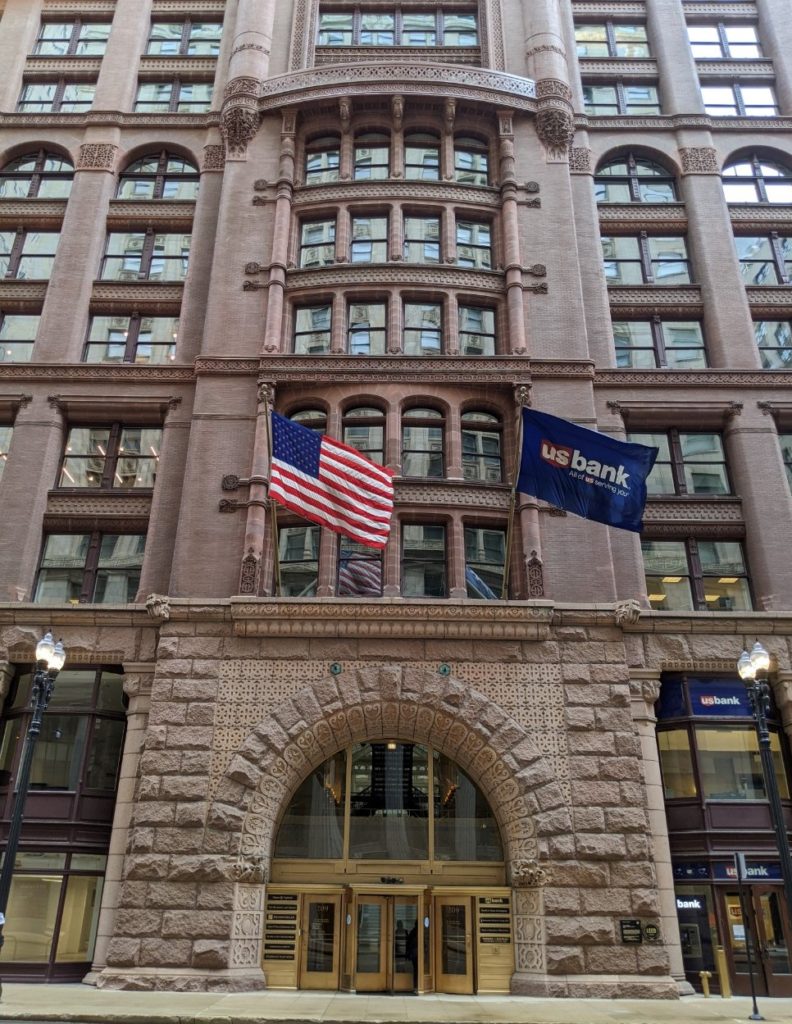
(760, 659)
(45, 647)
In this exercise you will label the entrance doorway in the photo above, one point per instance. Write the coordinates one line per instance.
(321, 942)
(454, 944)
(770, 938)
(386, 954)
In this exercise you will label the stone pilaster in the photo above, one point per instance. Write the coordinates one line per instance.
(117, 84)
(668, 40)
(644, 691)
(775, 35)
(20, 27)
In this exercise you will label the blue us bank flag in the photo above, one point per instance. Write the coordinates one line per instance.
(583, 471)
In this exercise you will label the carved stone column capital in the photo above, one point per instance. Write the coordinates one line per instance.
(555, 124)
(644, 691)
(240, 118)
(6, 675)
(782, 692)
(138, 678)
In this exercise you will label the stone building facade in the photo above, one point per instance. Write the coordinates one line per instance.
(398, 225)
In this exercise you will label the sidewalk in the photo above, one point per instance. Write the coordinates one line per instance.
(83, 1003)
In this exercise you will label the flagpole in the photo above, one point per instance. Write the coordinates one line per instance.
(523, 398)
(273, 505)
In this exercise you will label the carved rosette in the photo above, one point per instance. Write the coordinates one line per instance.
(699, 160)
(555, 124)
(240, 116)
(249, 573)
(528, 874)
(96, 156)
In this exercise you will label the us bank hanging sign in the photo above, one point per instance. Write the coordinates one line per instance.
(717, 698)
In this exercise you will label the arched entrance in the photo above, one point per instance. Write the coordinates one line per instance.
(407, 706)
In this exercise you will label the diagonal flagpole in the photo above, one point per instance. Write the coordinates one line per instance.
(272, 503)
(523, 398)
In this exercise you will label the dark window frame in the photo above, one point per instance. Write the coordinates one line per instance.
(17, 253)
(785, 443)
(398, 29)
(57, 99)
(90, 568)
(645, 261)
(482, 334)
(621, 100)
(659, 346)
(695, 573)
(436, 331)
(376, 418)
(373, 241)
(476, 428)
(677, 463)
(723, 41)
(111, 457)
(147, 255)
(373, 332)
(78, 23)
(437, 421)
(462, 145)
(3, 315)
(757, 178)
(184, 45)
(739, 103)
(362, 554)
(131, 341)
(633, 179)
(144, 106)
(298, 334)
(39, 172)
(612, 43)
(776, 260)
(5, 446)
(159, 177)
(329, 244)
(328, 145)
(422, 240)
(424, 524)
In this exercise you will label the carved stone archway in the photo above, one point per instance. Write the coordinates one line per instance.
(403, 703)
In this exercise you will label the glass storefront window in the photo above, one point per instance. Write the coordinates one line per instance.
(389, 802)
(313, 825)
(695, 914)
(676, 763)
(58, 753)
(464, 826)
(79, 918)
(730, 766)
(30, 918)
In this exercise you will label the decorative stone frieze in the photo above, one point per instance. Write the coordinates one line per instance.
(106, 372)
(395, 274)
(213, 158)
(240, 116)
(389, 190)
(608, 67)
(691, 378)
(580, 160)
(699, 160)
(635, 216)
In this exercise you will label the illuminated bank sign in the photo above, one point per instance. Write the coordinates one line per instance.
(757, 871)
(688, 904)
(718, 698)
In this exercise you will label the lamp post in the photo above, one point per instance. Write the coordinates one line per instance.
(753, 672)
(50, 658)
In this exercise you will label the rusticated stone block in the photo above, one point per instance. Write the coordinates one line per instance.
(628, 744)
(141, 840)
(151, 812)
(243, 771)
(633, 794)
(184, 787)
(133, 894)
(652, 959)
(148, 787)
(576, 674)
(226, 817)
(174, 667)
(217, 896)
(637, 875)
(133, 922)
(601, 847)
(585, 653)
(626, 819)
(200, 714)
(202, 868)
(146, 866)
(198, 737)
(171, 895)
(177, 840)
(559, 846)
(195, 689)
(587, 989)
(637, 846)
(598, 794)
(200, 647)
(645, 901)
(614, 901)
(550, 797)
(190, 815)
(589, 819)
(193, 924)
(584, 767)
(595, 743)
(167, 714)
(123, 952)
(611, 673)
(209, 954)
(160, 762)
(196, 762)
(580, 718)
(619, 959)
(165, 953)
(561, 901)
(564, 959)
(578, 930)
(204, 669)
(550, 823)
(620, 768)
(590, 694)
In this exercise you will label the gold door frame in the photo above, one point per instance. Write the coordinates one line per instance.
(385, 896)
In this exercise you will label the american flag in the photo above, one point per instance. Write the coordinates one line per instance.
(330, 483)
(359, 577)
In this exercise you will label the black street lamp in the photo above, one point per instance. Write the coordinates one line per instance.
(50, 658)
(753, 672)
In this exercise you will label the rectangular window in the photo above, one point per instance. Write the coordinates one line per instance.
(485, 562)
(696, 574)
(471, 162)
(175, 97)
(423, 561)
(765, 260)
(421, 239)
(786, 455)
(298, 551)
(737, 100)
(774, 338)
(372, 157)
(397, 28)
(132, 339)
(645, 260)
(67, 38)
(730, 765)
(6, 433)
(359, 570)
(322, 160)
(90, 567)
(611, 40)
(676, 764)
(476, 331)
(27, 254)
(421, 157)
(369, 240)
(474, 245)
(723, 41)
(366, 331)
(111, 457)
(610, 100)
(185, 38)
(312, 330)
(137, 255)
(423, 324)
(676, 344)
(56, 97)
(317, 243)
(688, 463)
(17, 335)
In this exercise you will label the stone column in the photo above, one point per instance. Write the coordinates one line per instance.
(644, 691)
(668, 42)
(21, 20)
(546, 62)
(247, 69)
(757, 475)
(61, 338)
(117, 84)
(530, 968)
(138, 677)
(512, 260)
(728, 328)
(775, 34)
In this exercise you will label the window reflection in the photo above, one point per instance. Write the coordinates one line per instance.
(389, 798)
(464, 826)
(730, 766)
(313, 826)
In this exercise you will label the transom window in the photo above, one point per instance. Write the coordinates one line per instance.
(359, 569)
(6, 433)
(765, 260)
(474, 244)
(722, 41)
(645, 260)
(421, 239)
(398, 27)
(159, 176)
(322, 159)
(476, 331)
(369, 239)
(39, 175)
(111, 457)
(610, 39)
(676, 344)
(311, 419)
(364, 429)
(387, 800)
(185, 38)
(103, 568)
(738, 100)
(481, 447)
(634, 179)
(28, 254)
(72, 38)
(17, 335)
(756, 180)
(132, 339)
(423, 327)
(298, 553)
(139, 255)
(372, 156)
(59, 97)
(619, 98)
(774, 338)
(312, 326)
(471, 161)
(696, 575)
(423, 560)
(688, 462)
(366, 330)
(485, 562)
(317, 243)
(175, 97)
(421, 157)
(422, 443)
(786, 455)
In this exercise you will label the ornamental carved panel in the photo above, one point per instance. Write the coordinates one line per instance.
(699, 160)
(96, 156)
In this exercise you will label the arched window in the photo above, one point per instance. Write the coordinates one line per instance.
(322, 159)
(40, 175)
(422, 443)
(159, 176)
(385, 808)
(756, 180)
(364, 429)
(372, 156)
(421, 157)
(634, 179)
(481, 447)
(471, 162)
(311, 419)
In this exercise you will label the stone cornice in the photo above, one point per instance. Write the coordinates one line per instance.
(164, 213)
(110, 119)
(641, 299)
(403, 274)
(674, 122)
(453, 494)
(385, 78)
(692, 378)
(15, 295)
(731, 68)
(760, 216)
(617, 67)
(387, 191)
(769, 301)
(41, 212)
(746, 624)
(632, 216)
(145, 296)
(71, 68)
(605, 7)
(324, 55)
(189, 68)
(102, 372)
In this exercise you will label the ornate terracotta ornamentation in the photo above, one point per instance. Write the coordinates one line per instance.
(96, 156)
(214, 158)
(250, 870)
(535, 573)
(528, 874)
(580, 160)
(249, 573)
(627, 612)
(556, 129)
(699, 160)
(158, 607)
